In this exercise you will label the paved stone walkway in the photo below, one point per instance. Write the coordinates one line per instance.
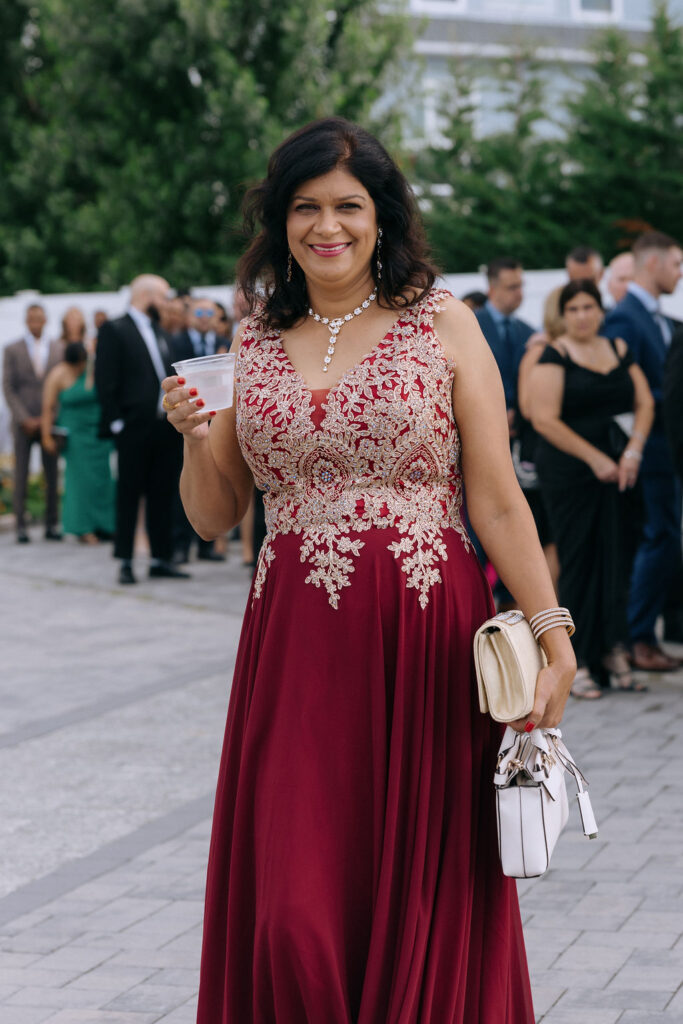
(113, 705)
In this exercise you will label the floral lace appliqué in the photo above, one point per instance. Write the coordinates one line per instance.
(386, 454)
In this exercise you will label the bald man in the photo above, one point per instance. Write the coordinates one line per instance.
(133, 356)
(619, 275)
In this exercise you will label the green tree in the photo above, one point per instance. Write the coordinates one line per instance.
(624, 141)
(503, 186)
(153, 118)
(610, 169)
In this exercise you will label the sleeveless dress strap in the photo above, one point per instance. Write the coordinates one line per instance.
(627, 359)
(431, 304)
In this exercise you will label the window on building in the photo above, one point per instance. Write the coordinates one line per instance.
(598, 10)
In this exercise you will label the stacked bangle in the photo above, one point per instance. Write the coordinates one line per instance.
(541, 622)
(631, 453)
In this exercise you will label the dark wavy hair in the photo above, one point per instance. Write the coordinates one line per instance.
(316, 149)
(582, 287)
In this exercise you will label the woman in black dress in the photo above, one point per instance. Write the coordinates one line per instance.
(592, 407)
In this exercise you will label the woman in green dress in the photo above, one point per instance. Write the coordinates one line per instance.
(88, 508)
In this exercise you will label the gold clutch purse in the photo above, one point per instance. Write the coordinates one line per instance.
(507, 660)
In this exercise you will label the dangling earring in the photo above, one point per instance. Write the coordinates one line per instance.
(379, 254)
(289, 265)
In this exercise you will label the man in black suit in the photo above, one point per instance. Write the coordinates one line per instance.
(199, 337)
(648, 333)
(133, 357)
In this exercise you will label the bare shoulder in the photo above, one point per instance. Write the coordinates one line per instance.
(58, 376)
(621, 347)
(458, 328)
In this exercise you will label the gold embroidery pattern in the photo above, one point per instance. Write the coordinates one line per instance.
(385, 455)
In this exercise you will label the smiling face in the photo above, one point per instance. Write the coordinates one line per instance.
(582, 317)
(332, 229)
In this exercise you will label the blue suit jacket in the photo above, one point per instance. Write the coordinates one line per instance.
(631, 321)
(508, 363)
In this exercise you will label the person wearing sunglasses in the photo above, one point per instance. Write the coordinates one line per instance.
(199, 337)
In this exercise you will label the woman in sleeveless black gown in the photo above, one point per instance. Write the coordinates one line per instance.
(588, 465)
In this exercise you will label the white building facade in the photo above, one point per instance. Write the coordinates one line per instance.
(557, 32)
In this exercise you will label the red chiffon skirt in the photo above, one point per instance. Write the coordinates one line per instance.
(353, 873)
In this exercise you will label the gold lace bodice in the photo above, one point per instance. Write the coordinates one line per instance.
(385, 453)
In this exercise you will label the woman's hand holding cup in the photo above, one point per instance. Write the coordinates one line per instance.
(184, 410)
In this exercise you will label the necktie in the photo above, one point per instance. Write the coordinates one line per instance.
(202, 344)
(507, 362)
(664, 326)
(163, 349)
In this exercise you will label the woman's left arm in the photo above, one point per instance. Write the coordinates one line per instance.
(497, 509)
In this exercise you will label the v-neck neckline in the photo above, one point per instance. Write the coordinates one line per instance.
(354, 368)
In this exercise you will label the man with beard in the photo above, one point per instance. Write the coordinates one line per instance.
(133, 356)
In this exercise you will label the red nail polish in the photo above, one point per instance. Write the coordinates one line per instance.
(181, 381)
(212, 413)
(193, 392)
(199, 403)
(529, 727)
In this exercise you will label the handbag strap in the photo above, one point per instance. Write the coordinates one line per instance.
(588, 822)
(519, 751)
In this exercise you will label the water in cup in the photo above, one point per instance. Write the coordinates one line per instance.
(212, 376)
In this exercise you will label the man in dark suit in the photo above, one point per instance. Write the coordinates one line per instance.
(199, 337)
(506, 334)
(648, 333)
(133, 357)
(26, 364)
(672, 400)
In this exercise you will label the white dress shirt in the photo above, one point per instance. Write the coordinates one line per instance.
(144, 326)
(38, 350)
(652, 306)
(199, 342)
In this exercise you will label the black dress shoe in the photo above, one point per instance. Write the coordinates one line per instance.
(164, 570)
(52, 534)
(23, 537)
(126, 575)
(210, 556)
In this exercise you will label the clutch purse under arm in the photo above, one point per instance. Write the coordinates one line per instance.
(507, 660)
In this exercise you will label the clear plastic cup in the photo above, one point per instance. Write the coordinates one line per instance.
(212, 376)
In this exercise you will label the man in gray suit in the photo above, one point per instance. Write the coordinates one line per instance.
(26, 363)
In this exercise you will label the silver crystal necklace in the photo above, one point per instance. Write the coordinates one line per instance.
(334, 326)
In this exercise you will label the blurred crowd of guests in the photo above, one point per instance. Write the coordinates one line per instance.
(595, 414)
(90, 394)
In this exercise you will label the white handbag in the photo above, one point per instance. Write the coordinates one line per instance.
(507, 661)
(531, 797)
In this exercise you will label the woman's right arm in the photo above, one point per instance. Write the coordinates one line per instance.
(216, 483)
(546, 388)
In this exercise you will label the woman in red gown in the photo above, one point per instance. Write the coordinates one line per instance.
(353, 873)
